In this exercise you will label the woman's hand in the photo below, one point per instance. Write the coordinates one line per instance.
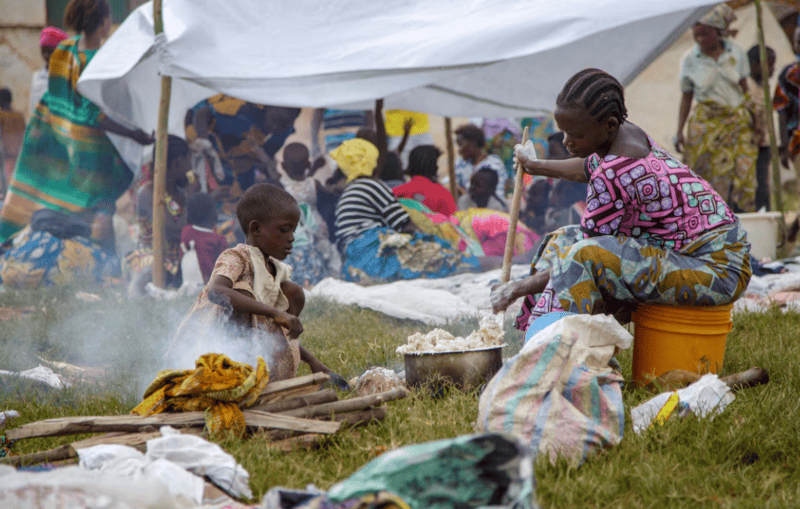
(523, 154)
(290, 322)
(503, 295)
(679, 142)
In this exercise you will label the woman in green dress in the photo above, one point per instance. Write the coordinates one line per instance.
(67, 162)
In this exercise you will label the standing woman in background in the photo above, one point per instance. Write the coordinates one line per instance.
(719, 140)
(67, 162)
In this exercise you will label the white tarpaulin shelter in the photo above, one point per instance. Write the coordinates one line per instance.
(489, 58)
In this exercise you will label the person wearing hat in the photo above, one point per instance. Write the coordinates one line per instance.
(719, 144)
(375, 235)
(48, 42)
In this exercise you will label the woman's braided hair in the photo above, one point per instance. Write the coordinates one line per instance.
(596, 91)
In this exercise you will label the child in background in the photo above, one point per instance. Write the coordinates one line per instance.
(483, 192)
(139, 263)
(250, 294)
(313, 256)
(536, 202)
(568, 203)
(755, 103)
(202, 217)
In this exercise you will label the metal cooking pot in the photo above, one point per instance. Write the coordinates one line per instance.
(465, 370)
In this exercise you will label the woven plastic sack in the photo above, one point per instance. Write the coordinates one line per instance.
(560, 394)
(470, 471)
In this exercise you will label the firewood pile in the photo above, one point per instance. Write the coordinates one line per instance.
(290, 412)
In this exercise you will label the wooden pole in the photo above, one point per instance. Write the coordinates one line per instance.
(451, 157)
(777, 192)
(160, 163)
(516, 199)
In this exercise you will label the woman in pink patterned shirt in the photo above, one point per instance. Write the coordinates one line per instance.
(653, 231)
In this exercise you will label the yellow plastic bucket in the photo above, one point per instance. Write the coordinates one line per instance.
(679, 337)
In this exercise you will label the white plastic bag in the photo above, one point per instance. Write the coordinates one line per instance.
(182, 459)
(7, 415)
(127, 462)
(74, 486)
(706, 397)
(203, 458)
(41, 374)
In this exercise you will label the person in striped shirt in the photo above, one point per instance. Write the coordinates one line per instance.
(375, 235)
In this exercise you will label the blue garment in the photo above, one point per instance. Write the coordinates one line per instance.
(543, 321)
(383, 255)
(39, 258)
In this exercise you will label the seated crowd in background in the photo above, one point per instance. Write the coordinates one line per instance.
(336, 236)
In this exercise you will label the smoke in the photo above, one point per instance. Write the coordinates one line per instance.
(239, 343)
(135, 339)
(212, 328)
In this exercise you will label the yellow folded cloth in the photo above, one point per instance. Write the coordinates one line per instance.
(218, 386)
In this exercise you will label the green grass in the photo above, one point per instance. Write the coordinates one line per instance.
(745, 457)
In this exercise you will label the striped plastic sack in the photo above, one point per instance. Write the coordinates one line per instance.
(560, 394)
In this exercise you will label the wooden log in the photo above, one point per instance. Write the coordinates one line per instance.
(451, 157)
(118, 438)
(348, 405)
(351, 419)
(291, 393)
(283, 405)
(746, 379)
(63, 452)
(361, 417)
(135, 424)
(678, 378)
(258, 419)
(288, 388)
(292, 443)
(160, 164)
(106, 423)
(130, 439)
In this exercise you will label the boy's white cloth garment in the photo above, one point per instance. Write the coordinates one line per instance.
(266, 288)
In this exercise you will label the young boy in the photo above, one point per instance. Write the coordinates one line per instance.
(760, 134)
(482, 192)
(202, 217)
(250, 295)
(314, 257)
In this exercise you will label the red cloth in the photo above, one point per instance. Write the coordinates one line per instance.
(209, 245)
(433, 195)
(51, 36)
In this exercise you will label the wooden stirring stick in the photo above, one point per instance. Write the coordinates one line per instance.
(505, 274)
